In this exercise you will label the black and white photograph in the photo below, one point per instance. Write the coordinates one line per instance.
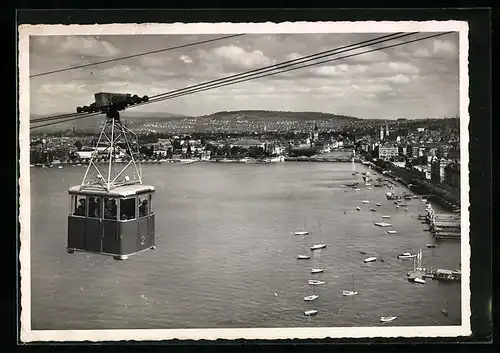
(244, 180)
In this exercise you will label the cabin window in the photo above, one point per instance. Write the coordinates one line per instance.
(110, 208)
(95, 207)
(127, 208)
(143, 205)
(79, 205)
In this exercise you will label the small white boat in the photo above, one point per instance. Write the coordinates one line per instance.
(358, 208)
(424, 200)
(303, 257)
(379, 204)
(310, 298)
(397, 206)
(391, 232)
(315, 282)
(357, 189)
(386, 216)
(370, 259)
(373, 210)
(365, 201)
(317, 270)
(419, 280)
(303, 232)
(310, 312)
(318, 246)
(387, 318)
(60, 167)
(406, 255)
(348, 293)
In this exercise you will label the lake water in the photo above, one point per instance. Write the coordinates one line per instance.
(226, 254)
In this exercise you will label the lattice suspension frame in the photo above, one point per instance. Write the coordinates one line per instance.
(112, 133)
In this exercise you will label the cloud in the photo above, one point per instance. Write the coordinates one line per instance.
(398, 79)
(330, 70)
(444, 47)
(379, 69)
(293, 56)
(186, 59)
(119, 71)
(359, 86)
(86, 46)
(237, 56)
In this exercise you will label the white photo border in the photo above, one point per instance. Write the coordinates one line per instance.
(29, 335)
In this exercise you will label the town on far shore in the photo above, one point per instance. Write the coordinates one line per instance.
(422, 153)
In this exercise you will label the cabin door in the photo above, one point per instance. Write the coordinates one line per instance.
(93, 235)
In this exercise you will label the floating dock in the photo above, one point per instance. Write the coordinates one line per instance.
(383, 224)
(443, 226)
(437, 274)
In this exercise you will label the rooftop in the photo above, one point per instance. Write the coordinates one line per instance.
(119, 191)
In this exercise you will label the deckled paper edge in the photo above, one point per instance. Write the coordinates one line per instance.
(28, 335)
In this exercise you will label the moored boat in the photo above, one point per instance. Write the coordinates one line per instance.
(311, 297)
(406, 255)
(370, 259)
(387, 318)
(318, 246)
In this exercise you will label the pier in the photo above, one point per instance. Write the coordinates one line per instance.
(439, 274)
(443, 226)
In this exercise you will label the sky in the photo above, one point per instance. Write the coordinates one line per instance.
(415, 80)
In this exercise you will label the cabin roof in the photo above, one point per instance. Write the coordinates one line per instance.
(119, 191)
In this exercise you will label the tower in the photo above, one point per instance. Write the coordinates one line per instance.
(386, 130)
(316, 132)
(381, 132)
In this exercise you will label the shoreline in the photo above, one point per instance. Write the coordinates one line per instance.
(422, 187)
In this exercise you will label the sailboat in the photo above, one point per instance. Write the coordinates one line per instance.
(302, 232)
(312, 297)
(348, 293)
(353, 167)
(418, 267)
(368, 177)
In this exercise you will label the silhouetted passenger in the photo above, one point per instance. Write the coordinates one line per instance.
(143, 208)
(110, 209)
(93, 208)
(80, 210)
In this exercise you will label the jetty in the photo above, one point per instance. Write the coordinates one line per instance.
(443, 226)
(421, 272)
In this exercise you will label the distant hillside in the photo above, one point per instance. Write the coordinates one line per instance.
(273, 115)
(143, 119)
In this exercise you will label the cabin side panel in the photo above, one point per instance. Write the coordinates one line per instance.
(76, 232)
(111, 238)
(128, 235)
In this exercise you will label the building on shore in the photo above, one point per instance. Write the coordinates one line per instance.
(452, 174)
(387, 152)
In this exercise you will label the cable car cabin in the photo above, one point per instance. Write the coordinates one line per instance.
(118, 223)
